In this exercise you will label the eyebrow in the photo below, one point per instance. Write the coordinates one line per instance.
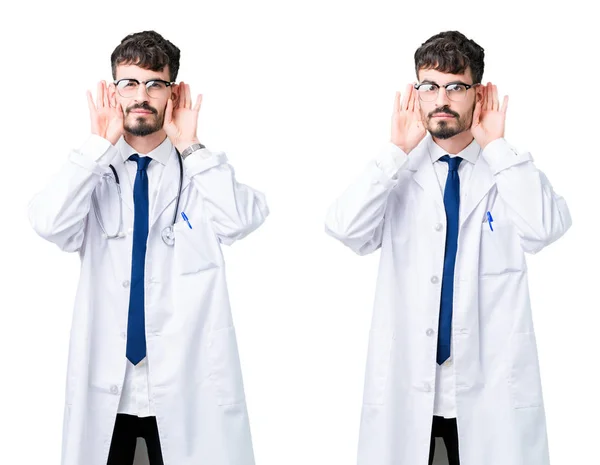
(428, 81)
(151, 79)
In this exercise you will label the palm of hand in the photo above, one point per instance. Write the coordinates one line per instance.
(408, 126)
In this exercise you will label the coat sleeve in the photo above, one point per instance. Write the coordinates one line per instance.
(539, 214)
(356, 217)
(235, 209)
(58, 213)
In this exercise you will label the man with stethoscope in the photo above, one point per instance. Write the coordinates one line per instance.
(153, 350)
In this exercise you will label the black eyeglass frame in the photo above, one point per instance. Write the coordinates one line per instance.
(149, 81)
(445, 86)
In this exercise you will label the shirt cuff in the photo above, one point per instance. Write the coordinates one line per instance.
(202, 160)
(500, 155)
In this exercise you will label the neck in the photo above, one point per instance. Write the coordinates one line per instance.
(145, 144)
(456, 143)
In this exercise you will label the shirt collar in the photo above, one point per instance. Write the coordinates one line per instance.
(469, 153)
(161, 154)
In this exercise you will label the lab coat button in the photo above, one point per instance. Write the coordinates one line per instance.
(439, 226)
(123, 335)
(427, 387)
(435, 279)
(429, 332)
(114, 389)
(125, 283)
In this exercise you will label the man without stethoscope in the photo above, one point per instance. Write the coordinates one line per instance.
(453, 207)
(153, 349)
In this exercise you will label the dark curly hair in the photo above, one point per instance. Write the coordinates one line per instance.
(148, 50)
(451, 52)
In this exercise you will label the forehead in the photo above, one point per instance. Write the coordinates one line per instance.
(141, 74)
(443, 78)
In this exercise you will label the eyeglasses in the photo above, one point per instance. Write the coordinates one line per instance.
(155, 88)
(455, 91)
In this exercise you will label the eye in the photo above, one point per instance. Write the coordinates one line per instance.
(428, 88)
(155, 85)
(456, 88)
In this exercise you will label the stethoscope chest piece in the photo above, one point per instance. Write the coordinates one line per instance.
(168, 235)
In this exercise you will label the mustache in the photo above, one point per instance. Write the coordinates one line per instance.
(142, 106)
(444, 110)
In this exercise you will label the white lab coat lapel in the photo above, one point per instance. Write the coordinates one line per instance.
(168, 188)
(481, 181)
(424, 174)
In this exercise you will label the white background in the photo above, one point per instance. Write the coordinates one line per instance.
(299, 95)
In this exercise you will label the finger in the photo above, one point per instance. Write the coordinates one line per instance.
(476, 114)
(406, 99)
(504, 105)
(99, 95)
(105, 99)
(411, 103)
(397, 102)
(496, 101)
(168, 113)
(418, 106)
(181, 99)
(489, 97)
(184, 95)
(484, 100)
(90, 101)
(198, 103)
(188, 97)
(112, 100)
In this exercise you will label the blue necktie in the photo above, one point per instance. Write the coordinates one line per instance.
(452, 205)
(136, 329)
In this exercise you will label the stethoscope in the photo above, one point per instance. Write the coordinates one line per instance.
(167, 234)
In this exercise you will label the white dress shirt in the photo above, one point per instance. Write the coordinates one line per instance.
(135, 396)
(445, 388)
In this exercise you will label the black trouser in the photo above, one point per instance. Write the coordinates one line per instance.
(127, 429)
(445, 428)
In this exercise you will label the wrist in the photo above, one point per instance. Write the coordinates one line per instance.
(191, 149)
(181, 146)
(405, 148)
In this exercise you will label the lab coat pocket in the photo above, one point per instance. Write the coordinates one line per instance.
(500, 250)
(192, 248)
(225, 369)
(524, 378)
(378, 366)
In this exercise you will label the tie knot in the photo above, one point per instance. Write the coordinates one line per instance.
(142, 162)
(453, 163)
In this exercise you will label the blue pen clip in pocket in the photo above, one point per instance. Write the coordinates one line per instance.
(490, 220)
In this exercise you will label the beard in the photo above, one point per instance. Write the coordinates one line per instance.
(144, 125)
(443, 129)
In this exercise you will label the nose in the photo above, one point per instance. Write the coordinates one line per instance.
(141, 95)
(442, 98)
